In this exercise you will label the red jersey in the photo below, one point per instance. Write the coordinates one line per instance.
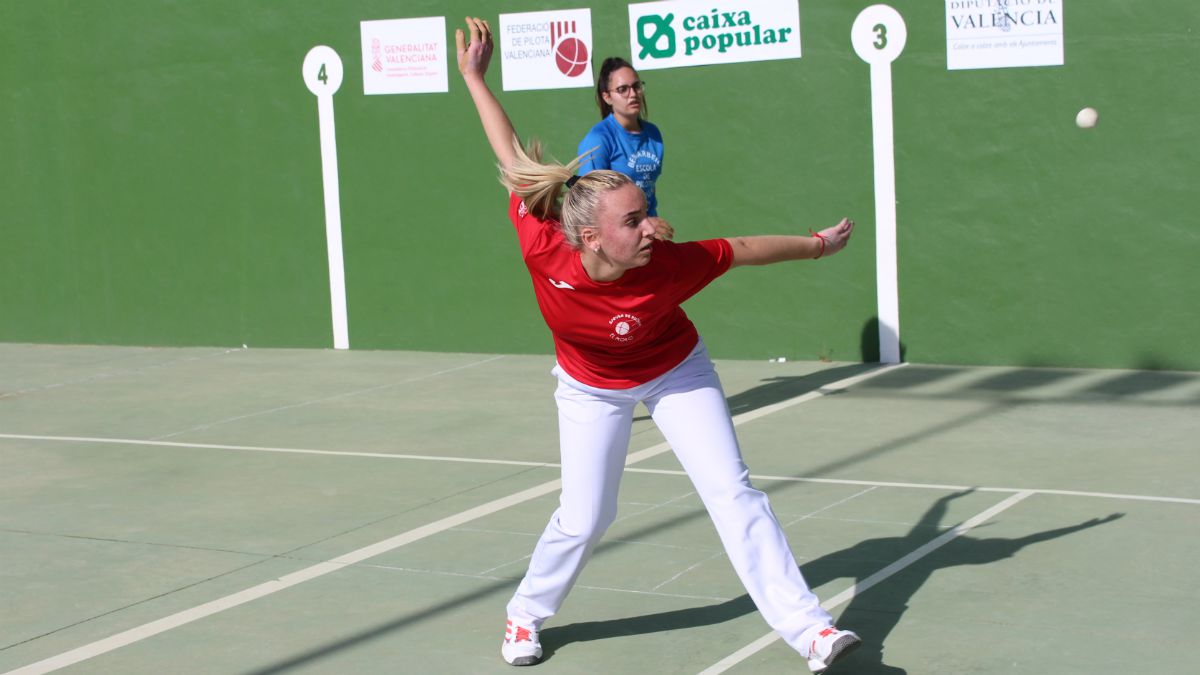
(616, 334)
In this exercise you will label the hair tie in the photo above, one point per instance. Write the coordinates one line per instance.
(572, 180)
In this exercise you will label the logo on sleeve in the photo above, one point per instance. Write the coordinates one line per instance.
(522, 209)
(624, 327)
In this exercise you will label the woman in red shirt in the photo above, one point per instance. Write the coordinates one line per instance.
(610, 293)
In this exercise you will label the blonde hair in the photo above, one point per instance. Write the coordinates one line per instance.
(540, 186)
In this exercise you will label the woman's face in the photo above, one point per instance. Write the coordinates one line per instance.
(625, 93)
(623, 231)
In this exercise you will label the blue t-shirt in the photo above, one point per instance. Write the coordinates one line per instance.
(638, 156)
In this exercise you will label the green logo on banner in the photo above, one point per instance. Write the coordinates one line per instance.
(662, 29)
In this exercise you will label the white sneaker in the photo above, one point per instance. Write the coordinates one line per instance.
(521, 646)
(830, 645)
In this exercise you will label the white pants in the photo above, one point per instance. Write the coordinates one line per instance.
(689, 408)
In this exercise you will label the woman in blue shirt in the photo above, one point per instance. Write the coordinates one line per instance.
(624, 140)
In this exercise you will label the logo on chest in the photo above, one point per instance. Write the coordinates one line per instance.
(649, 162)
(624, 327)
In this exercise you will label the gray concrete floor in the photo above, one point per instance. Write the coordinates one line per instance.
(292, 511)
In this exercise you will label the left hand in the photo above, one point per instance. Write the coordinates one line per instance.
(662, 229)
(836, 237)
(474, 56)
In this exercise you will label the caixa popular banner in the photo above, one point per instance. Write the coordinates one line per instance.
(684, 33)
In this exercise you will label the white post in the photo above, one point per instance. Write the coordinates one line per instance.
(323, 74)
(878, 36)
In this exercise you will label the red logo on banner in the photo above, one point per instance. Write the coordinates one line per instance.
(570, 54)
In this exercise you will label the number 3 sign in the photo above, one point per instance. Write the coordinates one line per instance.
(878, 34)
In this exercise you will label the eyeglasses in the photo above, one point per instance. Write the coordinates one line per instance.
(623, 90)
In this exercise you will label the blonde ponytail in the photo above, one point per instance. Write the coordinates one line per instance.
(541, 184)
(538, 183)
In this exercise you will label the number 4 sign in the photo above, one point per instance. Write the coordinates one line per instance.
(322, 72)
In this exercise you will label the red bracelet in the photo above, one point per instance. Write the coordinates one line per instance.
(822, 238)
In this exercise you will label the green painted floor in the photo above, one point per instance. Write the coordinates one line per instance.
(294, 511)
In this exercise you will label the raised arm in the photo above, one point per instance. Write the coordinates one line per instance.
(473, 58)
(768, 249)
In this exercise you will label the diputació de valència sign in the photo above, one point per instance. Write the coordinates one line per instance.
(1003, 33)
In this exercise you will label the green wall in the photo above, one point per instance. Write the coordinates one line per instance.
(162, 186)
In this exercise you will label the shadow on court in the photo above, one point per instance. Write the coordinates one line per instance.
(887, 602)
(775, 390)
(873, 614)
(779, 389)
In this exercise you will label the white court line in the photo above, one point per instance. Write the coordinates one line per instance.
(658, 449)
(688, 569)
(187, 616)
(178, 619)
(814, 514)
(806, 516)
(264, 449)
(118, 373)
(334, 397)
(585, 587)
(286, 581)
(260, 448)
(850, 593)
(952, 488)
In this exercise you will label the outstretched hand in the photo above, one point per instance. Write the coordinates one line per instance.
(473, 56)
(835, 237)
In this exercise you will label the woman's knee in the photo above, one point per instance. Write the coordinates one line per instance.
(735, 496)
(589, 524)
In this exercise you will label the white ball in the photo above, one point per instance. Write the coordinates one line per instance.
(1087, 118)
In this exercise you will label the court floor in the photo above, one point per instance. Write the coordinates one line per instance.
(303, 511)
